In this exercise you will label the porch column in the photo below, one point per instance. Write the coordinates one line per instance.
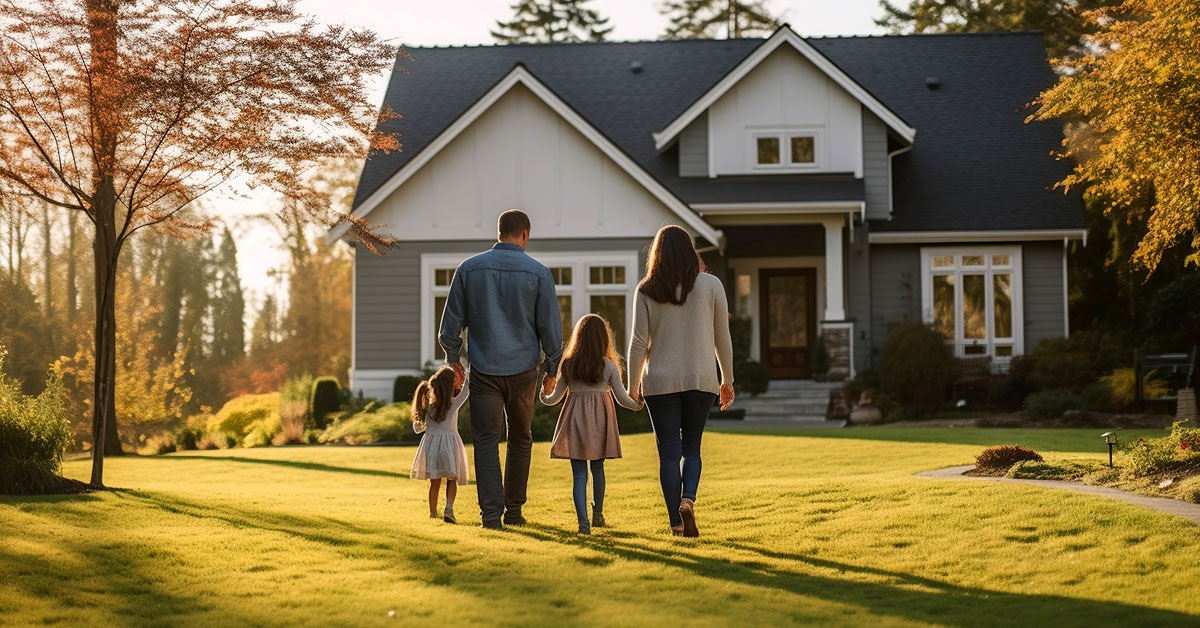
(835, 303)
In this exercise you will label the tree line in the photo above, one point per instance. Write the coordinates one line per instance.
(187, 340)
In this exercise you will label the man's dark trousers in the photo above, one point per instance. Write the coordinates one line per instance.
(495, 398)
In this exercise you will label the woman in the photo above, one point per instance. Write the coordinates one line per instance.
(680, 320)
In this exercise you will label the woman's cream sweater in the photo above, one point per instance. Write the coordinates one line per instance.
(673, 346)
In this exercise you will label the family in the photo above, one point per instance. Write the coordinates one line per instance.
(506, 303)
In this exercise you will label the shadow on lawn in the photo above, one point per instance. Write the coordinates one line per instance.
(893, 594)
(308, 466)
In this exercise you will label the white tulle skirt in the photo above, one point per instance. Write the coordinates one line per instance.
(441, 454)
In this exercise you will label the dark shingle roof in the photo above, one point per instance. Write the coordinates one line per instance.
(975, 165)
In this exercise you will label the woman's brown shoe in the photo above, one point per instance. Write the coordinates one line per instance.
(687, 511)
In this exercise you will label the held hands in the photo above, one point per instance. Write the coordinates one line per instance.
(548, 385)
(726, 396)
(460, 374)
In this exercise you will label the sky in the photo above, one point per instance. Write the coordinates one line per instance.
(461, 22)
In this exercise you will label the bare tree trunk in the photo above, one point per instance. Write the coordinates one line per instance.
(102, 20)
(72, 303)
(47, 263)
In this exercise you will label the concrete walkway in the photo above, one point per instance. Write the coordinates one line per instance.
(1161, 504)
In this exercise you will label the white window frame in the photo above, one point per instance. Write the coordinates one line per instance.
(1017, 341)
(580, 289)
(784, 135)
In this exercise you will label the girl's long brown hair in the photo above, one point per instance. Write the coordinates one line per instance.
(441, 388)
(672, 264)
(591, 342)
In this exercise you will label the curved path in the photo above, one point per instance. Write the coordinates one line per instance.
(1162, 504)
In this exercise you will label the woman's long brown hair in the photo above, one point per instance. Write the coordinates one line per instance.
(591, 342)
(441, 388)
(673, 264)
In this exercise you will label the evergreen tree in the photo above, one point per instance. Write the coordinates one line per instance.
(1062, 21)
(552, 21)
(713, 19)
(229, 305)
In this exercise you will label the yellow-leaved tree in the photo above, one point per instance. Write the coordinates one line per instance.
(1133, 112)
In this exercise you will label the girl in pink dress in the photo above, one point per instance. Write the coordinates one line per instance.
(590, 377)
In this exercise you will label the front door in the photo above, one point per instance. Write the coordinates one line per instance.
(787, 308)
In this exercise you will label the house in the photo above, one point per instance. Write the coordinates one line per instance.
(836, 185)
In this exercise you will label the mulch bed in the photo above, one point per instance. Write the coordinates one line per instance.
(64, 486)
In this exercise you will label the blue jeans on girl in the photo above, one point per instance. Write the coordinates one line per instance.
(579, 469)
(678, 420)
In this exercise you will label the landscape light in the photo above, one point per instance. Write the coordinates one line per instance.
(1110, 439)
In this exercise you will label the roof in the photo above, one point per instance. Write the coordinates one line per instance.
(974, 165)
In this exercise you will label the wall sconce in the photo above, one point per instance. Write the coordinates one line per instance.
(1110, 439)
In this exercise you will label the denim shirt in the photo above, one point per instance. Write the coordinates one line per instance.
(507, 303)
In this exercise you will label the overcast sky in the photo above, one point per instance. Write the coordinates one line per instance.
(458, 22)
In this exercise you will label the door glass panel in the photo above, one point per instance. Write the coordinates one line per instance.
(787, 303)
(612, 308)
(1002, 304)
(972, 260)
(943, 305)
(974, 307)
(443, 276)
(561, 275)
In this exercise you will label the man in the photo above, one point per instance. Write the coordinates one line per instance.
(507, 303)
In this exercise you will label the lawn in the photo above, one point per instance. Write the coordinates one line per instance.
(821, 527)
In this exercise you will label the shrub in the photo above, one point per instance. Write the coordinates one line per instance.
(1071, 363)
(293, 414)
(162, 443)
(1063, 470)
(916, 367)
(244, 414)
(1121, 385)
(326, 398)
(752, 379)
(390, 423)
(1005, 456)
(820, 358)
(187, 436)
(34, 434)
(404, 387)
(1148, 456)
(1052, 403)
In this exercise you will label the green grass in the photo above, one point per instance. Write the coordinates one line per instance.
(823, 527)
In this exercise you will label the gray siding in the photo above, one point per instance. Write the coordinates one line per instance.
(693, 148)
(875, 179)
(895, 291)
(858, 295)
(387, 308)
(1042, 276)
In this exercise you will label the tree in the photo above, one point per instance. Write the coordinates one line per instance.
(1138, 133)
(126, 111)
(1062, 21)
(549, 21)
(710, 19)
(229, 328)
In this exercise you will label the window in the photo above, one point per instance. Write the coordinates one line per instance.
(788, 150)
(586, 282)
(973, 297)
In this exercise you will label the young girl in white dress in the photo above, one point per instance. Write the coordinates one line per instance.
(441, 454)
(590, 377)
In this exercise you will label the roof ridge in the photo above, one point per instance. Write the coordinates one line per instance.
(550, 44)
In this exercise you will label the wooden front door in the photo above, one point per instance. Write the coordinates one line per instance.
(787, 325)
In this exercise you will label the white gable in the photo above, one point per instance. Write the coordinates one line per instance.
(521, 146)
(786, 95)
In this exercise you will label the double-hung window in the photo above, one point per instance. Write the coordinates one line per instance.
(973, 296)
(598, 282)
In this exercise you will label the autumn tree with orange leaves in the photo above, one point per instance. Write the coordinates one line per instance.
(127, 111)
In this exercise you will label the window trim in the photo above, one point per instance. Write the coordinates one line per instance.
(1015, 267)
(579, 290)
(785, 135)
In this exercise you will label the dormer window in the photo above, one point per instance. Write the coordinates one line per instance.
(788, 149)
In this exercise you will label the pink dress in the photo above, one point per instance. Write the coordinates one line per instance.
(587, 425)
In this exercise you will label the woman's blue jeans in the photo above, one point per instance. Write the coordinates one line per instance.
(678, 420)
(579, 469)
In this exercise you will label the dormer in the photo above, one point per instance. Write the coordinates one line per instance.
(785, 109)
